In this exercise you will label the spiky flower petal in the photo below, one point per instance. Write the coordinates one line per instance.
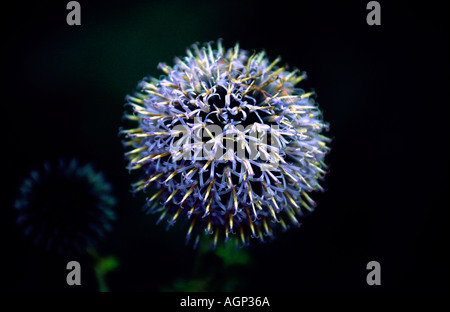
(228, 142)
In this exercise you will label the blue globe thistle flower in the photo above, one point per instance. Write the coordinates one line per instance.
(229, 143)
(67, 208)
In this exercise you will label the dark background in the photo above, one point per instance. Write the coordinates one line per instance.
(383, 89)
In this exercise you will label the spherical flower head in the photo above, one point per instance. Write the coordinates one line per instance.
(66, 207)
(229, 143)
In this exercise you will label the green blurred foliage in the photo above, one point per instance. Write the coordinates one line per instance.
(107, 264)
(219, 269)
(232, 255)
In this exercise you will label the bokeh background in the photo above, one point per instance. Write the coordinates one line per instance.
(383, 89)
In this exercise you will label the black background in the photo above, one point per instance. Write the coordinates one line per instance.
(383, 89)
